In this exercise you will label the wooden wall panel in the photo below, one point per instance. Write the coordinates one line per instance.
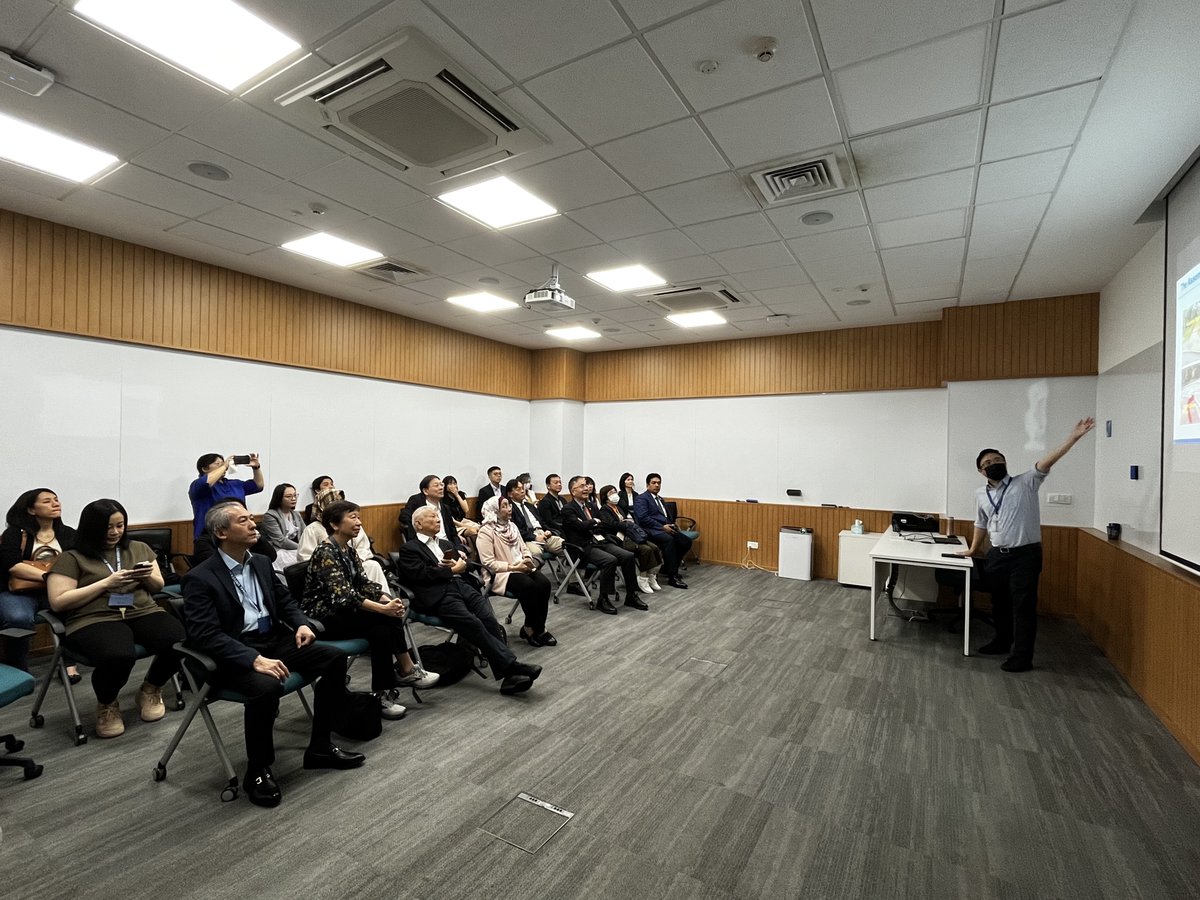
(1144, 613)
(558, 374)
(61, 279)
(1052, 336)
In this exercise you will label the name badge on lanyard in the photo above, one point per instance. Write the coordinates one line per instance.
(997, 503)
(124, 600)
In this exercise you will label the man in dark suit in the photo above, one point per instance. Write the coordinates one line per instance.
(432, 495)
(238, 613)
(550, 507)
(494, 487)
(650, 512)
(601, 549)
(538, 540)
(432, 569)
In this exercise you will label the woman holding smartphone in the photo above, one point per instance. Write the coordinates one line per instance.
(102, 589)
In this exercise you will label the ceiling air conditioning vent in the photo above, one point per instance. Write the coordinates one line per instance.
(799, 180)
(405, 102)
(392, 271)
(695, 298)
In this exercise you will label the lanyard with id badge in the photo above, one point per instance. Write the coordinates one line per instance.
(253, 598)
(123, 600)
(994, 518)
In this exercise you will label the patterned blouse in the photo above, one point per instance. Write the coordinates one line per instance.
(335, 583)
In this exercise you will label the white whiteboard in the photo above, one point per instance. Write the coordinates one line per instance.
(93, 419)
(882, 450)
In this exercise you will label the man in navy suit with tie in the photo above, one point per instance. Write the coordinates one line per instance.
(432, 569)
(650, 512)
(237, 612)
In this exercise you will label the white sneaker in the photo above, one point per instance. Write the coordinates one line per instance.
(653, 579)
(418, 678)
(389, 708)
(644, 584)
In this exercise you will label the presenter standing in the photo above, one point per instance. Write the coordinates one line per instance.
(1007, 512)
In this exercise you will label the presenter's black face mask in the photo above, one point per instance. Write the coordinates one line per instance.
(996, 471)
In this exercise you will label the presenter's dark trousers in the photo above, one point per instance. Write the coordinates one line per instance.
(262, 692)
(1012, 577)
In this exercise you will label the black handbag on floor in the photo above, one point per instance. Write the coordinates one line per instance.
(359, 717)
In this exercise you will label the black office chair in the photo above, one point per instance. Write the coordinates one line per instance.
(159, 540)
(15, 684)
(686, 526)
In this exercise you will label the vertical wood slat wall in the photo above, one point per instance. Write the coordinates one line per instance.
(558, 374)
(65, 280)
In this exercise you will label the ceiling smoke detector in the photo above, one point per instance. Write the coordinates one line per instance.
(820, 217)
(764, 51)
(208, 170)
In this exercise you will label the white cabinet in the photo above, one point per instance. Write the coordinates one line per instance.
(795, 552)
(854, 558)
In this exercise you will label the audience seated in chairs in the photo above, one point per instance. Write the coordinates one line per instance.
(512, 569)
(213, 485)
(550, 507)
(320, 483)
(632, 538)
(282, 525)
(102, 589)
(34, 538)
(238, 613)
(540, 541)
(651, 514)
(627, 493)
(339, 595)
(584, 527)
(456, 503)
(432, 569)
(432, 496)
(494, 487)
(315, 534)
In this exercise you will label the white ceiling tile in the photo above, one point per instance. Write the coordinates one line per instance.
(999, 243)
(307, 23)
(569, 182)
(434, 222)
(784, 123)
(726, 33)
(921, 229)
(438, 288)
(293, 202)
(737, 231)
(919, 150)
(440, 261)
(1009, 215)
(781, 276)
(1021, 176)
(156, 190)
(609, 80)
(991, 274)
(534, 270)
(254, 224)
(922, 81)
(89, 60)
(172, 157)
(846, 209)
(859, 268)
(982, 295)
(551, 235)
(590, 259)
(382, 236)
(218, 237)
(616, 219)
(669, 154)
(647, 12)
(943, 293)
(1036, 123)
(924, 264)
(761, 256)
(502, 280)
(934, 193)
(93, 202)
(832, 244)
(852, 30)
(81, 118)
(490, 248)
(689, 268)
(363, 187)
(704, 199)
(839, 294)
(906, 311)
(535, 35)
(261, 140)
(649, 248)
(20, 18)
(1056, 45)
(793, 294)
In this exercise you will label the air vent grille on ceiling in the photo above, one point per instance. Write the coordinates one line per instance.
(392, 271)
(695, 298)
(799, 180)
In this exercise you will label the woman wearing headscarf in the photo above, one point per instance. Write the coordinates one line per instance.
(512, 569)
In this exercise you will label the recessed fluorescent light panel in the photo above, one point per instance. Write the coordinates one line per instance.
(217, 39)
(482, 302)
(498, 202)
(574, 333)
(37, 148)
(330, 249)
(697, 319)
(627, 278)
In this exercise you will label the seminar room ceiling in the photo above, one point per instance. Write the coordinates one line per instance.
(993, 150)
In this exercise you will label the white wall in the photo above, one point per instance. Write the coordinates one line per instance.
(556, 439)
(93, 419)
(1023, 418)
(1131, 306)
(882, 449)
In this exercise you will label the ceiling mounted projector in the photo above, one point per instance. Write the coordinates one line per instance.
(549, 294)
(24, 75)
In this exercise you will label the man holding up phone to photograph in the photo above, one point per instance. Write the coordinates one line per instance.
(212, 486)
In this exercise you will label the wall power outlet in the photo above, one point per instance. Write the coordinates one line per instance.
(751, 545)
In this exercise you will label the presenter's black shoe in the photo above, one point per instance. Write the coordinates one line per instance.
(1017, 664)
(261, 789)
(636, 602)
(515, 684)
(333, 758)
(994, 648)
(677, 582)
(604, 604)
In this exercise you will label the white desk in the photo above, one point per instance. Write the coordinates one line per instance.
(891, 549)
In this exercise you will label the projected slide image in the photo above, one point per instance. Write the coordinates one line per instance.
(1187, 357)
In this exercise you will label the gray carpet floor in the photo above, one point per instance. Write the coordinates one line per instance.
(743, 739)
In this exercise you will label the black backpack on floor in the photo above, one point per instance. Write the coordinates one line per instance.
(450, 660)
